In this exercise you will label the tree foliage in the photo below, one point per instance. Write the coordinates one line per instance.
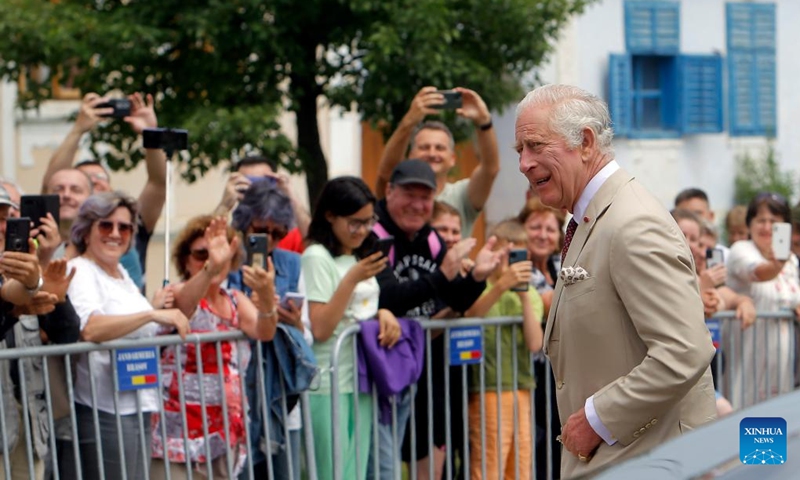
(224, 69)
(762, 173)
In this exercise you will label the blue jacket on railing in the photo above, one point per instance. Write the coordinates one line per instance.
(289, 369)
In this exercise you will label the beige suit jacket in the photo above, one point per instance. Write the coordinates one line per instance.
(632, 334)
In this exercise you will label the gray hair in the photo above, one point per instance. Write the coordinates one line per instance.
(573, 110)
(264, 200)
(432, 125)
(98, 207)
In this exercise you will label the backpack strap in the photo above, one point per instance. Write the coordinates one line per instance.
(381, 232)
(434, 244)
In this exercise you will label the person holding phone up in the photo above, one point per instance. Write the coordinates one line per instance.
(264, 216)
(771, 279)
(342, 289)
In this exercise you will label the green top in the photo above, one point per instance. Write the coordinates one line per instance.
(508, 305)
(322, 274)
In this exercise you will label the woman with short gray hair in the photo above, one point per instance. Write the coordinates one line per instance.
(110, 306)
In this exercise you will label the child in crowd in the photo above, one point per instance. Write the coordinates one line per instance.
(507, 405)
(447, 222)
(735, 224)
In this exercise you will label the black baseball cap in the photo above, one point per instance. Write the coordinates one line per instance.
(412, 172)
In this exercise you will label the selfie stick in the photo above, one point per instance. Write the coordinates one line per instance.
(168, 213)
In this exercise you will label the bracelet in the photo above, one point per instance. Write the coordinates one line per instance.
(269, 314)
(486, 126)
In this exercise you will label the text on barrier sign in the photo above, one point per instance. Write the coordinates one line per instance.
(137, 368)
(466, 345)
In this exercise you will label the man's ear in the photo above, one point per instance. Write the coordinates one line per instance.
(387, 190)
(589, 143)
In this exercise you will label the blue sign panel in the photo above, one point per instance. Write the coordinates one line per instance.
(714, 325)
(137, 368)
(466, 345)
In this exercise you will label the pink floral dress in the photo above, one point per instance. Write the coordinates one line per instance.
(219, 440)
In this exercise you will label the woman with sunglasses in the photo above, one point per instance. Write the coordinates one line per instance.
(265, 209)
(110, 306)
(764, 367)
(342, 289)
(204, 252)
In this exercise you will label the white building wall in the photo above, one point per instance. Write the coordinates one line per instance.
(664, 166)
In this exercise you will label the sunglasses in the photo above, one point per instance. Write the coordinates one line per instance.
(106, 227)
(275, 233)
(199, 254)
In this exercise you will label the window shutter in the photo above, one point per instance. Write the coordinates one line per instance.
(700, 93)
(652, 27)
(752, 85)
(620, 95)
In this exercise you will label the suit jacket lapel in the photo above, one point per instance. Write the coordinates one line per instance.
(597, 207)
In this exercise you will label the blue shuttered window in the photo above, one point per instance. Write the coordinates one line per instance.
(701, 93)
(652, 27)
(620, 91)
(751, 68)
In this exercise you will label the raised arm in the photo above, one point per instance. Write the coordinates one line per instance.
(482, 178)
(88, 116)
(395, 150)
(153, 196)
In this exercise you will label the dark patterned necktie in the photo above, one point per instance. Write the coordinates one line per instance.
(571, 227)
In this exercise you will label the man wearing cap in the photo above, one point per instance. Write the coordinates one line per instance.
(421, 279)
(433, 143)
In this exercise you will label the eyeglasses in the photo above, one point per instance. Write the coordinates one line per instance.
(356, 224)
(275, 233)
(106, 227)
(199, 254)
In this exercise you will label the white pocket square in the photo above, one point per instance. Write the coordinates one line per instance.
(570, 275)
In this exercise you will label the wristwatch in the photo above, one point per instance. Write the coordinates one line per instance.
(33, 291)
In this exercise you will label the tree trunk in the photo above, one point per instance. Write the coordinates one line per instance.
(316, 167)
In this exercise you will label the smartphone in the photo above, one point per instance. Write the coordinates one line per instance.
(121, 106)
(782, 240)
(515, 256)
(18, 231)
(169, 139)
(38, 206)
(296, 298)
(383, 245)
(257, 250)
(714, 257)
(452, 100)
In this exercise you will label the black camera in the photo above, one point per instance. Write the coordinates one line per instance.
(18, 230)
(167, 139)
(121, 106)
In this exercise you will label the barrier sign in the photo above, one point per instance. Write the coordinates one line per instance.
(714, 326)
(137, 368)
(466, 345)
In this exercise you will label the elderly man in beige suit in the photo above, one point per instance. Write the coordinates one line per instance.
(626, 337)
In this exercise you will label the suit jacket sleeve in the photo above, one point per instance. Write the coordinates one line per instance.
(653, 273)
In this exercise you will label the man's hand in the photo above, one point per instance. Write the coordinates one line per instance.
(235, 187)
(89, 114)
(56, 280)
(41, 304)
(423, 104)
(746, 311)
(454, 257)
(48, 237)
(473, 107)
(578, 436)
(143, 114)
(390, 330)
(712, 302)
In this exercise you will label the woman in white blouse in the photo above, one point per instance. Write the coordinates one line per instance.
(110, 306)
(761, 361)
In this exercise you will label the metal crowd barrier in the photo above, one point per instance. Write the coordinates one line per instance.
(208, 388)
(759, 362)
(752, 365)
(544, 449)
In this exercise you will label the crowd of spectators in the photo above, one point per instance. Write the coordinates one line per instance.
(403, 250)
